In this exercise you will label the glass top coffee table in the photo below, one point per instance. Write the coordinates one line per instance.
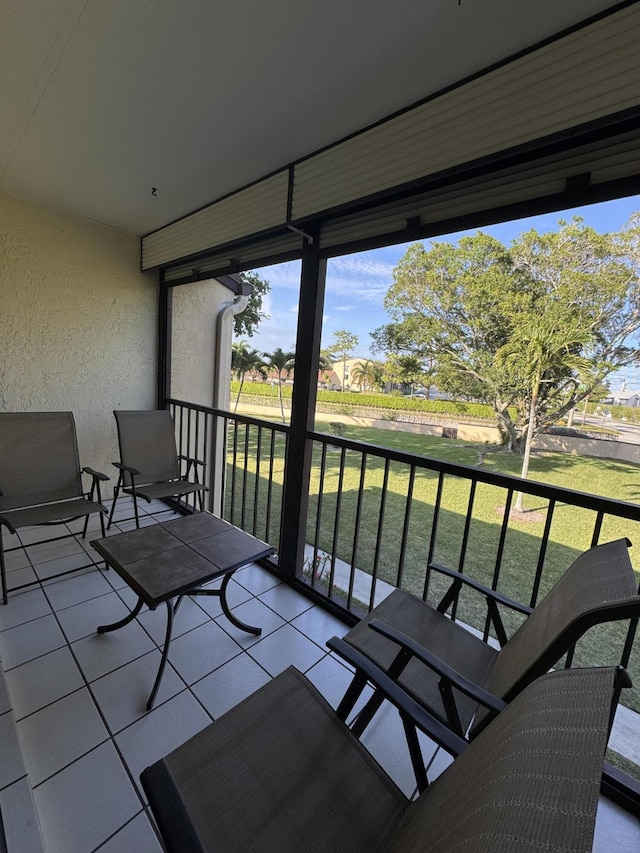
(167, 561)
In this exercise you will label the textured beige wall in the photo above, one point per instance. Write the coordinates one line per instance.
(195, 309)
(78, 323)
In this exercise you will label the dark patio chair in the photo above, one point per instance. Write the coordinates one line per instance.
(149, 464)
(458, 677)
(40, 476)
(281, 773)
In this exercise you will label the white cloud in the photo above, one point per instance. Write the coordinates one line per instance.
(364, 277)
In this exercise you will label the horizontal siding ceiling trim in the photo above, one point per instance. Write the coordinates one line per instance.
(578, 81)
(545, 178)
(591, 73)
(280, 247)
(257, 208)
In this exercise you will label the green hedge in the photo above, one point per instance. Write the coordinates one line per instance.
(374, 401)
(260, 389)
(397, 403)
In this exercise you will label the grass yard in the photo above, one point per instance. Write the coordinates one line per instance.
(369, 534)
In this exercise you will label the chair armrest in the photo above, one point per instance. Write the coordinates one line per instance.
(498, 597)
(128, 468)
(460, 682)
(392, 691)
(95, 474)
(191, 459)
(7, 524)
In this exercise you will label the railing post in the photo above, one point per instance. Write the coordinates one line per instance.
(165, 295)
(298, 462)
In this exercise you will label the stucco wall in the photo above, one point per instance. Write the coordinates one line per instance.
(78, 323)
(195, 310)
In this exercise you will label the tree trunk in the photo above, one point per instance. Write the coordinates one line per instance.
(584, 412)
(527, 445)
(235, 409)
(280, 398)
(507, 429)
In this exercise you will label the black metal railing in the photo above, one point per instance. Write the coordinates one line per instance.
(379, 518)
(242, 459)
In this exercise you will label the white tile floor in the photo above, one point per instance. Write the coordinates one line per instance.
(78, 698)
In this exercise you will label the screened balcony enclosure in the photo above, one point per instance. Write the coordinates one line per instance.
(142, 168)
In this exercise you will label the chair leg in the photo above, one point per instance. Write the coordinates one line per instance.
(95, 486)
(3, 573)
(351, 697)
(367, 713)
(135, 509)
(417, 760)
(116, 493)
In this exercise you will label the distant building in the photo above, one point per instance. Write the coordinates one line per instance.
(624, 398)
(340, 373)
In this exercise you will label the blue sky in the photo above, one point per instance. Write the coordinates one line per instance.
(357, 284)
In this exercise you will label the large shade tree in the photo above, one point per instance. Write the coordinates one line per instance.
(461, 304)
(248, 321)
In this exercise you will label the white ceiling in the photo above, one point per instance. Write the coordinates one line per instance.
(101, 100)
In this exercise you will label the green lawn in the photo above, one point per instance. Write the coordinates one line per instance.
(379, 534)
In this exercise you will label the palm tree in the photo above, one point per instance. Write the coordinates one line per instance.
(281, 362)
(366, 373)
(243, 361)
(538, 347)
(325, 364)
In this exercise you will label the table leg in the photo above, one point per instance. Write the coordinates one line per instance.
(165, 652)
(102, 629)
(222, 595)
(227, 612)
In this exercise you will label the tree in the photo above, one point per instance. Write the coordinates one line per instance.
(409, 370)
(541, 348)
(461, 304)
(281, 362)
(367, 374)
(325, 365)
(344, 343)
(243, 361)
(248, 321)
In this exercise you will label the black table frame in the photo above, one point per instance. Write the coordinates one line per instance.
(187, 552)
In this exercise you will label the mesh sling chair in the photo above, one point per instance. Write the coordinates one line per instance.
(149, 464)
(40, 476)
(281, 773)
(453, 673)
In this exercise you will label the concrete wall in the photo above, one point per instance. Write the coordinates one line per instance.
(78, 323)
(620, 450)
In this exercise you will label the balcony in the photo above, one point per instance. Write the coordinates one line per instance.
(78, 698)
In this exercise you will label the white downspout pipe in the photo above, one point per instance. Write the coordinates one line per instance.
(221, 393)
